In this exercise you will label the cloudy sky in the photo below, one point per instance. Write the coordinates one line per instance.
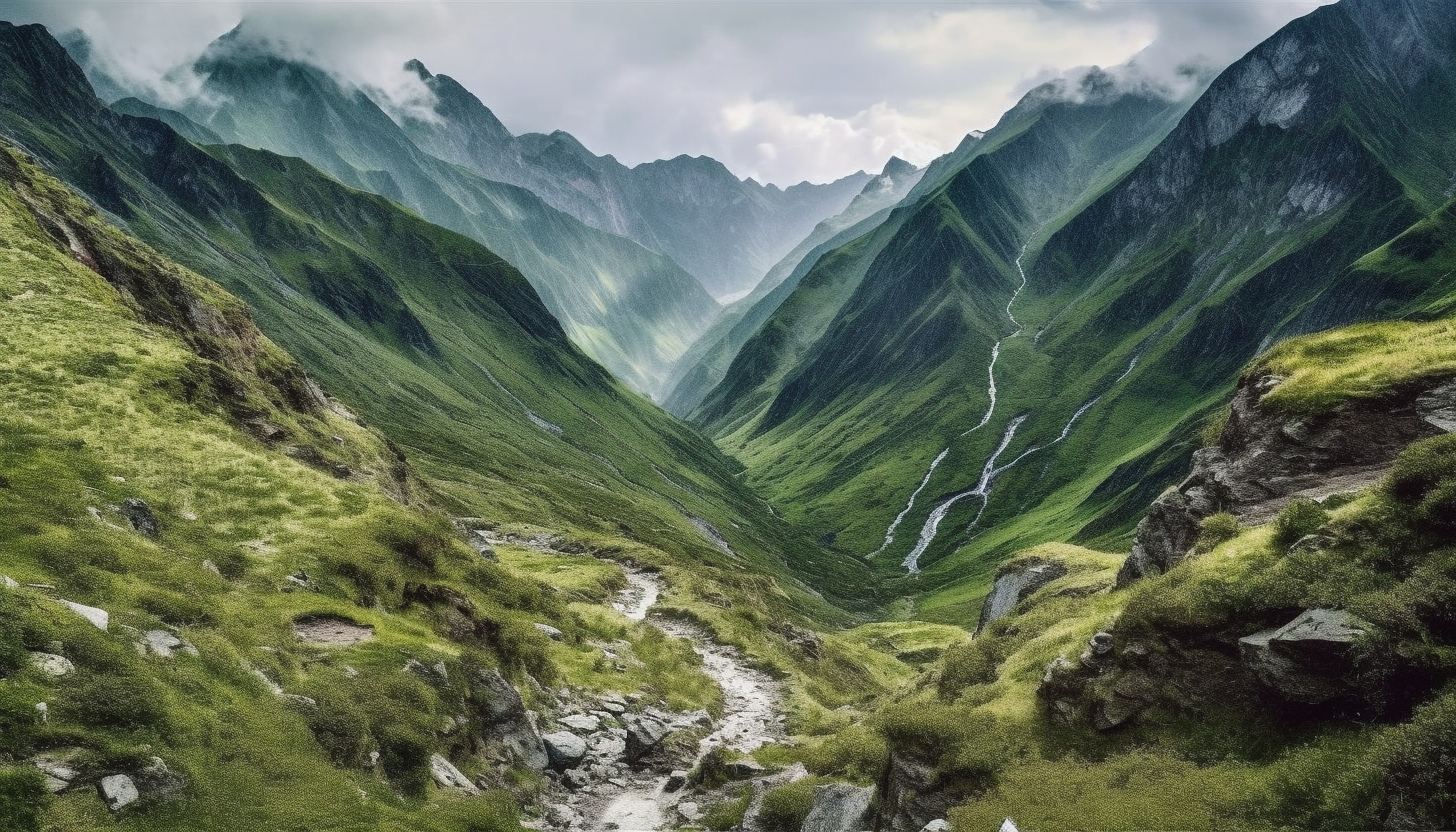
(782, 91)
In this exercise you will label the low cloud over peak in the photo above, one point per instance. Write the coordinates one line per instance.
(778, 92)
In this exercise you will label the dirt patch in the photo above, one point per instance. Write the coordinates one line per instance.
(330, 631)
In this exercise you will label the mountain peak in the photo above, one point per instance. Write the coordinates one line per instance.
(896, 166)
(416, 66)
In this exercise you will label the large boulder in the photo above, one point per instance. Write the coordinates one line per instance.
(507, 721)
(1308, 660)
(839, 807)
(1014, 583)
(564, 749)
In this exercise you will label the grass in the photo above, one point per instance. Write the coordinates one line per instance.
(1357, 362)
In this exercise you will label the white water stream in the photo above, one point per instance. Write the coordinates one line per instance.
(989, 471)
(752, 714)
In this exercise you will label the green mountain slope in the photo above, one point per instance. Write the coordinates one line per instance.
(425, 332)
(727, 232)
(879, 356)
(632, 309)
(705, 363)
(163, 462)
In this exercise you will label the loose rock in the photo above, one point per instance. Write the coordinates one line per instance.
(97, 616)
(448, 776)
(51, 664)
(550, 631)
(1307, 659)
(118, 791)
(581, 722)
(139, 514)
(564, 749)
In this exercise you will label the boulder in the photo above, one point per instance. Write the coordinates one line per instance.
(165, 644)
(118, 791)
(1014, 583)
(644, 733)
(613, 703)
(59, 768)
(937, 825)
(52, 665)
(581, 722)
(550, 631)
(97, 616)
(676, 780)
(564, 749)
(839, 807)
(139, 515)
(506, 719)
(448, 776)
(1307, 660)
(690, 811)
(9, 582)
(1099, 653)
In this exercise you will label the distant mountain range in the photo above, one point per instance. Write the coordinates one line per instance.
(570, 221)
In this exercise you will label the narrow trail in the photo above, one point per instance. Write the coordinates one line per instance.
(752, 713)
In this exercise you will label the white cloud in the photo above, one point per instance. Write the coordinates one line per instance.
(781, 91)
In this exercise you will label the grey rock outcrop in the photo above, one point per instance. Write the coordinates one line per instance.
(548, 631)
(139, 515)
(1014, 583)
(839, 807)
(1264, 459)
(164, 644)
(1307, 660)
(507, 721)
(564, 749)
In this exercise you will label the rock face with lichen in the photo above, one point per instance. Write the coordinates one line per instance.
(1014, 583)
(1264, 459)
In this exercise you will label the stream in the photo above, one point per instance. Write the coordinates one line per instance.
(752, 714)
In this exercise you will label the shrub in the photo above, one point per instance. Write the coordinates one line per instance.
(785, 807)
(1299, 518)
(494, 811)
(18, 719)
(1216, 529)
(1419, 768)
(125, 702)
(405, 756)
(22, 797)
(967, 664)
(341, 728)
(721, 817)
(855, 753)
(950, 737)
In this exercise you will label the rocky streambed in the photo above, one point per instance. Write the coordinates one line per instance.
(651, 792)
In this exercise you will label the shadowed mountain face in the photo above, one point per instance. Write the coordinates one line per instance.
(1151, 275)
(705, 363)
(727, 232)
(632, 309)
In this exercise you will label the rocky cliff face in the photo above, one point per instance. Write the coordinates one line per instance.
(1265, 458)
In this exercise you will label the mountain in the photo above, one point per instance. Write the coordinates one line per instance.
(630, 308)
(866, 370)
(706, 361)
(423, 331)
(727, 232)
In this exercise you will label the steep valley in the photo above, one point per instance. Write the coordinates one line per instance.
(1099, 474)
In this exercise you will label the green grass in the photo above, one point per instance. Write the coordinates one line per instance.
(1357, 362)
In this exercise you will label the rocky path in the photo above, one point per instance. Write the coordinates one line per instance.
(752, 716)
